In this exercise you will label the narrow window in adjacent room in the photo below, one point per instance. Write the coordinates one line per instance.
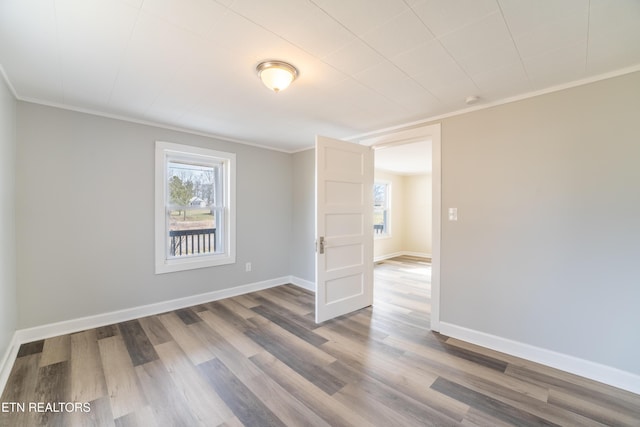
(381, 214)
(195, 215)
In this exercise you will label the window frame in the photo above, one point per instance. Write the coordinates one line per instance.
(387, 208)
(163, 152)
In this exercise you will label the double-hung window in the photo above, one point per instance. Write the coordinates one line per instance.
(195, 211)
(381, 205)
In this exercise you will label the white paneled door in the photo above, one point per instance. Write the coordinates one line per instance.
(344, 227)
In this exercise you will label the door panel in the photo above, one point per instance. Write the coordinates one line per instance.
(340, 257)
(344, 221)
(344, 287)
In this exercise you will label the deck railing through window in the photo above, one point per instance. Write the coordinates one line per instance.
(189, 242)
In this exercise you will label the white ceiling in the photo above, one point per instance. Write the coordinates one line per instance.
(406, 159)
(364, 64)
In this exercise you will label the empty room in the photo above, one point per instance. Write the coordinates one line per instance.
(319, 213)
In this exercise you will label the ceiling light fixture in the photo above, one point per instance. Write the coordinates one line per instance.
(276, 75)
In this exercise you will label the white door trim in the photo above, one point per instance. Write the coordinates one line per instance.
(407, 136)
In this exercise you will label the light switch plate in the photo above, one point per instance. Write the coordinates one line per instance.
(453, 214)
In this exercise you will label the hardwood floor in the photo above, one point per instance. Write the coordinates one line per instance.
(260, 360)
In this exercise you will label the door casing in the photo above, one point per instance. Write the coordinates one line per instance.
(399, 136)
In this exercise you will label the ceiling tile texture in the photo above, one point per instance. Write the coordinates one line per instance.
(364, 64)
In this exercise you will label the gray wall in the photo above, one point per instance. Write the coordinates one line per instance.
(545, 251)
(8, 314)
(85, 224)
(304, 202)
(547, 246)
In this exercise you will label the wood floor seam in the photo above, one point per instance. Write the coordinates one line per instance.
(260, 359)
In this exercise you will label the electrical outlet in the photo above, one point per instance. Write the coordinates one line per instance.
(453, 214)
(247, 266)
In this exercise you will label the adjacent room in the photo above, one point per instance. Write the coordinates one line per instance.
(319, 212)
(403, 201)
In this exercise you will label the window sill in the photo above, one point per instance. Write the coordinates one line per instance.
(173, 265)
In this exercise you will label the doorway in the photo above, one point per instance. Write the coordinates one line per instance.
(345, 172)
(403, 201)
(402, 141)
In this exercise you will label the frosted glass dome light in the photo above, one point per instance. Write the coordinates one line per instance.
(276, 75)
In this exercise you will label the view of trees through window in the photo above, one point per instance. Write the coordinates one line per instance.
(192, 194)
(191, 190)
(195, 215)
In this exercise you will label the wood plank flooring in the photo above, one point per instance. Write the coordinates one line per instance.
(260, 360)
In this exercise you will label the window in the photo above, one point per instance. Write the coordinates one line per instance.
(381, 204)
(195, 211)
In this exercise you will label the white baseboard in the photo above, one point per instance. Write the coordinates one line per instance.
(401, 253)
(574, 365)
(6, 364)
(302, 283)
(22, 336)
(89, 322)
(417, 254)
(386, 256)
(595, 371)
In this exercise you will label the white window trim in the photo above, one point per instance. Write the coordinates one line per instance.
(165, 265)
(387, 233)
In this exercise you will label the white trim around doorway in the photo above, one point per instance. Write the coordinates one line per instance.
(407, 136)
